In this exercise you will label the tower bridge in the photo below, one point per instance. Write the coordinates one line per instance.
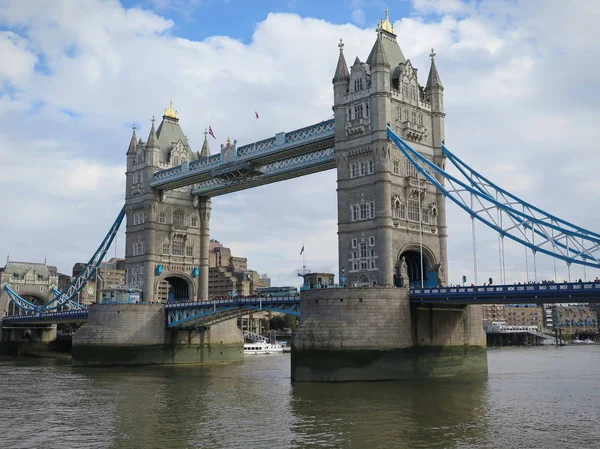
(387, 145)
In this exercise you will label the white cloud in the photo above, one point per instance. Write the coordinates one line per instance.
(358, 16)
(521, 104)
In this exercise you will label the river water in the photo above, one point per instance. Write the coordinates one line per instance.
(541, 397)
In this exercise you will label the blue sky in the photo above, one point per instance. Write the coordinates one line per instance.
(200, 19)
(521, 97)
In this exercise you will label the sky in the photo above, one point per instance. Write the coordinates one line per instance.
(522, 102)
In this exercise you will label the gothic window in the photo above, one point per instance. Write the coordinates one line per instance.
(353, 170)
(139, 217)
(194, 221)
(396, 167)
(358, 84)
(363, 168)
(406, 115)
(175, 161)
(363, 211)
(412, 93)
(363, 250)
(178, 218)
(189, 250)
(399, 113)
(372, 240)
(162, 217)
(183, 159)
(178, 246)
(405, 90)
(358, 111)
(411, 170)
(399, 210)
(425, 216)
(138, 249)
(421, 119)
(413, 210)
(166, 248)
(372, 259)
(371, 166)
(372, 209)
(354, 213)
(354, 243)
(367, 110)
(349, 114)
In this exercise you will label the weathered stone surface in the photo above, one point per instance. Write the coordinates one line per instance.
(374, 334)
(136, 334)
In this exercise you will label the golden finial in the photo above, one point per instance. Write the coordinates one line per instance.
(386, 25)
(228, 141)
(171, 113)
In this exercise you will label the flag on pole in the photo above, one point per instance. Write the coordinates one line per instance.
(256, 114)
(302, 250)
(210, 131)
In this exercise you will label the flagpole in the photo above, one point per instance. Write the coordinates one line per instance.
(303, 257)
(254, 146)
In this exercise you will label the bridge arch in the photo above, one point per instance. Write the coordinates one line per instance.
(28, 295)
(175, 287)
(412, 255)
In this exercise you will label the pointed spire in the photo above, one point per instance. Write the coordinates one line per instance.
(377, 56)
(434, 78)
(152, 138)
(171, 113)
(341, 71)
(385, 24)
(132, 142)
(205, 152)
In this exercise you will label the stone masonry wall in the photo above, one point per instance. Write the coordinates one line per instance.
(354, 318)
(123, 325)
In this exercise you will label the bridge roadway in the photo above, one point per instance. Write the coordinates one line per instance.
(286, 155)
(184, 315)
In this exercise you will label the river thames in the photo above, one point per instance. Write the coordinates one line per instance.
(542, 397)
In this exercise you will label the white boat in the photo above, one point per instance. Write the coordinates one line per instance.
(261, 347)
(587, 341)
(576, 340)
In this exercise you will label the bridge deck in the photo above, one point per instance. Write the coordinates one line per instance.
(286, 155)
(575, 292)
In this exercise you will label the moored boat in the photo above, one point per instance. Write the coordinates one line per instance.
(261, 347)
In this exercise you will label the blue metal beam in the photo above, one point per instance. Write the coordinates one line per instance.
(578, 246)
(253, 159)
(575, 292)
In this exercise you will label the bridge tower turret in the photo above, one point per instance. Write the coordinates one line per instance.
(163, 228)
(385, 210)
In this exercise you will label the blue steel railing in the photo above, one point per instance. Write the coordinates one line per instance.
(280, 143)
(566, 292)
(47, 317)
(196, 313)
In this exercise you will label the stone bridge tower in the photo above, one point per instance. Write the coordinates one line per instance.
(165, 229)
(385, 210)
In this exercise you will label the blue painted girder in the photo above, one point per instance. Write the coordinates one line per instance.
(204, 313)
(284, 156)
(47, 317)
(575, 292)
(505, 213)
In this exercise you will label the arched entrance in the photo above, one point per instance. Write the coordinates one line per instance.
(33, 299)
(416, 270)
(174, 289)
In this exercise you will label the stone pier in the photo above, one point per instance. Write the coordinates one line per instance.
(135, 334)
(359, 334)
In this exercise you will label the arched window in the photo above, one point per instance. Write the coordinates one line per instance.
(162, 217)
(178, 218)
(194, 221)
(175, 161)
